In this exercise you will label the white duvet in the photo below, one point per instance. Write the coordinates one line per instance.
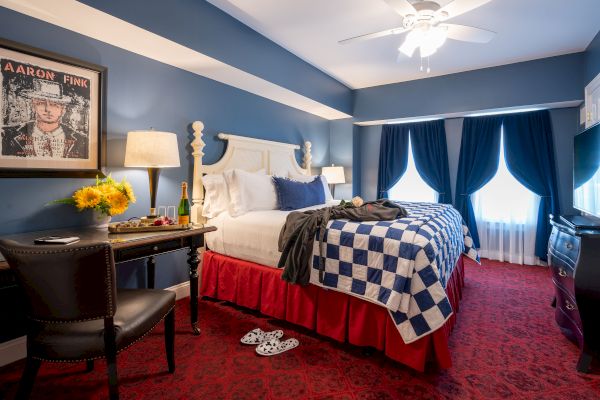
(252, 236)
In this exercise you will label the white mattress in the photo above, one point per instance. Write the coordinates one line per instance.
(252, 236)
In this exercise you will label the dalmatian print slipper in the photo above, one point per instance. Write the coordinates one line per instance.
(258, 336)
(274, 346)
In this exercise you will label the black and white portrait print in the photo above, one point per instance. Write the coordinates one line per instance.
(46, 113)
(49, 113)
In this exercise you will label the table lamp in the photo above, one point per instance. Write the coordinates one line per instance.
(153, 150)
(334, 175)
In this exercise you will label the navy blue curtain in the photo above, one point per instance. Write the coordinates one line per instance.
(477, 165)
(430, 151)
(530, 158)
(393, 157)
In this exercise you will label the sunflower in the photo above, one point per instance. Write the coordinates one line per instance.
(106, 189)
(117, 202)
(128, 191)
(87, 197)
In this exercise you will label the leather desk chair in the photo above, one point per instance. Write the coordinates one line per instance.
(76, 313)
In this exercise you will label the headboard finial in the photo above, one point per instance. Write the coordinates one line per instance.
(198, 126)
(307, 157)
(197, 189)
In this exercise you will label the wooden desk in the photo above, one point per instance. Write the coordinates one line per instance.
(135, 246)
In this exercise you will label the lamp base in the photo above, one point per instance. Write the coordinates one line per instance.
(332, 190)
(153, 175)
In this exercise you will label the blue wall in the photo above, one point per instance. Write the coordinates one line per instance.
(548, 80)
(143, 93)
(205, 28)
(564, 125)
(356, 162)
(591, 62)
(341, 153)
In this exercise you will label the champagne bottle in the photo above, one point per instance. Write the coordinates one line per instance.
(184, 206)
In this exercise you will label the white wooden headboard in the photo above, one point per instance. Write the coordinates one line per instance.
(245, 153)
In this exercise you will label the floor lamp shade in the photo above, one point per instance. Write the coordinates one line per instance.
(152, 150)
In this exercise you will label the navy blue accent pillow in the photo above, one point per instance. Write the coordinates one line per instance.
(292, 195)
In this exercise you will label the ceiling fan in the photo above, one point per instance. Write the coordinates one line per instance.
(424, 21)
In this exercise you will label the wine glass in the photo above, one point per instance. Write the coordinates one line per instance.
(172, 213)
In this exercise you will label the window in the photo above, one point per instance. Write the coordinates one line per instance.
(411, 187)
(506, 215)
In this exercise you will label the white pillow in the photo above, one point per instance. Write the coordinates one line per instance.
(310, 178)
(250, 191)
(216, 195)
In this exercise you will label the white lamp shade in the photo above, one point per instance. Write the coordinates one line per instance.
(151, 149)
(334, 174)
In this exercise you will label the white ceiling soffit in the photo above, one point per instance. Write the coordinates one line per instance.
(311, 29)
(494, 111)
(91, 22)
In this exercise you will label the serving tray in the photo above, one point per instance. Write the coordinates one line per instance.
(115, 228)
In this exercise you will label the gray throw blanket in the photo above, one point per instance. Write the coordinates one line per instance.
(297, 235)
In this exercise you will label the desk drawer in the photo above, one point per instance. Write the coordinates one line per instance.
(147, 250)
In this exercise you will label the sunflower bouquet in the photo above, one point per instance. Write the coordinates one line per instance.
(107, 197)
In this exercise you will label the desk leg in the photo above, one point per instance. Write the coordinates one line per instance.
(150, 271)
(193, 262)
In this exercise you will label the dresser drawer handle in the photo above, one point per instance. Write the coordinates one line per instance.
(155, 248)
(562, 272)
(569, 246)
(569, 306)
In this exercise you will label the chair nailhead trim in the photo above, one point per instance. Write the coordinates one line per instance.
(102, 357)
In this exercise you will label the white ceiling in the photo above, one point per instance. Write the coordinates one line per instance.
(527, 30)
(83, 19)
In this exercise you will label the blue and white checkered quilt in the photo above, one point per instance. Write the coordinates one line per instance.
(402, 265)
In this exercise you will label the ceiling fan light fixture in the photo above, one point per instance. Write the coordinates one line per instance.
(436, 36)
(427, 50)
(412, 42)
(432, 40)
(408, 48)
(428, 39)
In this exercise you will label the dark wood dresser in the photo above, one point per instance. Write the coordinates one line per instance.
(574, 260)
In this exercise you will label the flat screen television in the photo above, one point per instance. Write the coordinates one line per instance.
(586, 171)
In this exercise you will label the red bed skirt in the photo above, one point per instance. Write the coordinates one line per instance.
(333, 314)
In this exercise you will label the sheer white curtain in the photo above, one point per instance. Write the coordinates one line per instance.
(506, 215)
(411, 187)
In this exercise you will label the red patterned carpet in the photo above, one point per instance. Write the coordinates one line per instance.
(505, 344)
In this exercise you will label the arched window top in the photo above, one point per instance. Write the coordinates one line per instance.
(504, 198)
(411, 187)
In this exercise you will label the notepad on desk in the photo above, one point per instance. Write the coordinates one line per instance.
(56, 240)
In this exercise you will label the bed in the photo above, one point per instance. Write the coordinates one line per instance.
(391, 285)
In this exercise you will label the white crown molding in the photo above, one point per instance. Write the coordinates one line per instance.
(474, 113)
(88, 21)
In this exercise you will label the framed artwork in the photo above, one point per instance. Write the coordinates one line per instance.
(53, 114)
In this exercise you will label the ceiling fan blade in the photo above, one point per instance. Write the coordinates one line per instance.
(468, 33)
(374, 35)
(458, 7)
(402, 7)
